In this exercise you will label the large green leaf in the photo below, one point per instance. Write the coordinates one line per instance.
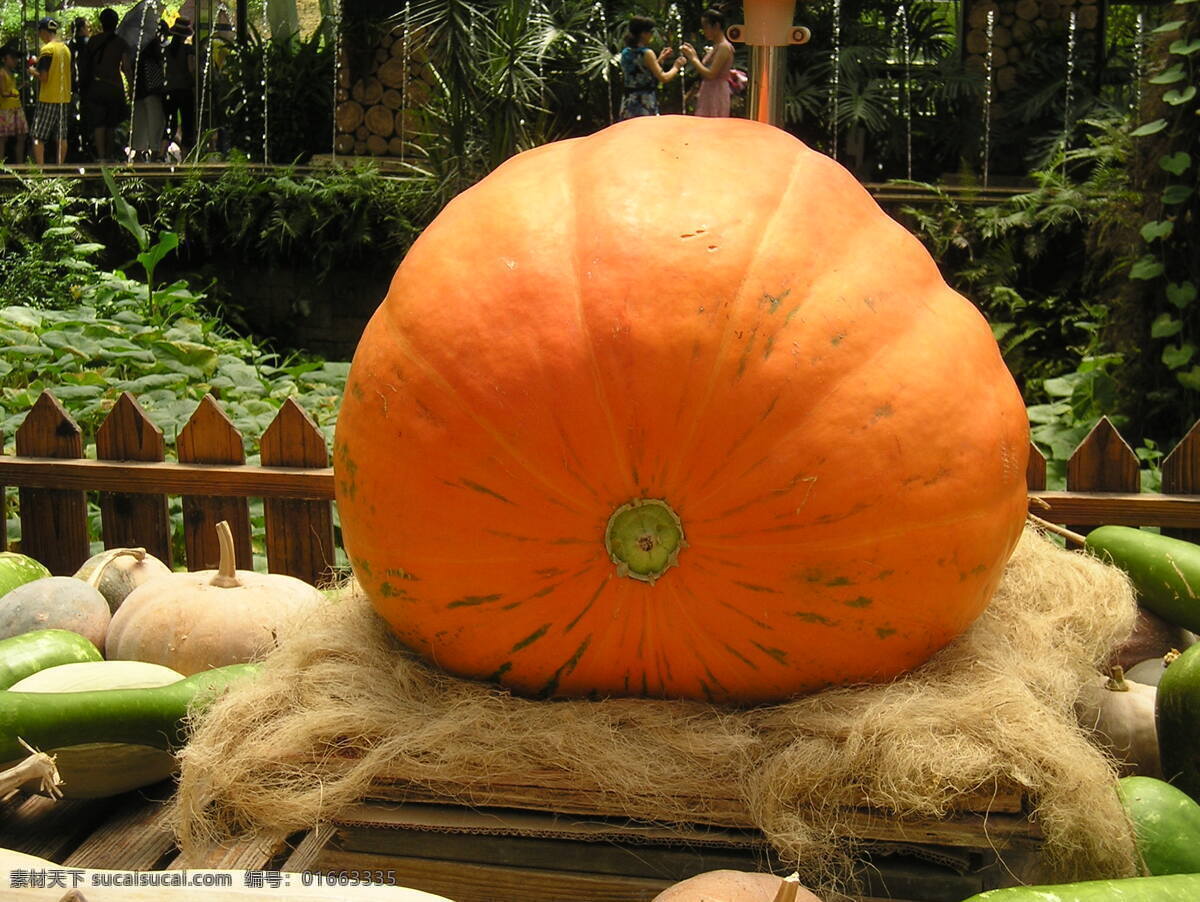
(1176, 194)
(1170, 76)
(1184, 47)
(1176, 163)
(1153, 231)
(124, 212)
(1190, 378)
(1177, 98)
(1146, 268)
(1181, 294)
(1150, 128)
(1165, 326)
(1177, 356)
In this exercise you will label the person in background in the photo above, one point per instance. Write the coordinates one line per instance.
(715, 90)
(104, 106)
(148, 84)
(179, 101)
(642, 69)
(13, 126)
(78, 46)
(53, 72)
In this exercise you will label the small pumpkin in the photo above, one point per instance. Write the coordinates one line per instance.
(118, 571)
(194, 621)
(55, 603)
(1121, 715)
(615, 431)
(736, 886)
(1152, 637)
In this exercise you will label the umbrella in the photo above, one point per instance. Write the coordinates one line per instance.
(139, 26)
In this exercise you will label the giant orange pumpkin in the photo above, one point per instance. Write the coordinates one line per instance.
(677, 410)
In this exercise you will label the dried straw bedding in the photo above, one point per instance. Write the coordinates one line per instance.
(274, 755)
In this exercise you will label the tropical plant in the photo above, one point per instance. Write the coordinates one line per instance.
(1169, 267)
(45, 250)
(277, 96)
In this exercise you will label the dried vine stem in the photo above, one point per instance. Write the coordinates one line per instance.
(1067, 534)
(38, 767)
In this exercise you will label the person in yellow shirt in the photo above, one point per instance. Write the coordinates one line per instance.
(53, 72)
(12, 117)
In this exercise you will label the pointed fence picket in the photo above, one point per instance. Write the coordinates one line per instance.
(133, 479)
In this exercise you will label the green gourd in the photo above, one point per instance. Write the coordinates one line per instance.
(1166, 824)
(1177, 721)
(1165, 571)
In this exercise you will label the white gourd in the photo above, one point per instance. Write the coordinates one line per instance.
(101, 769)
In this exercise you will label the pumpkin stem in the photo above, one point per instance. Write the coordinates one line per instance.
(1116, 679)
(644, 538)
(97, 573)
(226, 576)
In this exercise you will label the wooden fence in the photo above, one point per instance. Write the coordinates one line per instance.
(133, 479)
(295, 481)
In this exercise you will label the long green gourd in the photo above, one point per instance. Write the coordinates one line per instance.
(1165, 571)
(1166, 825)
(1177, 722)
(28, 653)
(149, 717)
(1172, 888)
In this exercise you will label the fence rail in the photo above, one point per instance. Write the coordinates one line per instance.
(133, 479)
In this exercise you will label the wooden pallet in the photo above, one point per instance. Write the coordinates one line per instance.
(498, 843)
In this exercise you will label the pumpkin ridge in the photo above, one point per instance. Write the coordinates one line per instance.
(699, 544)
(814, 403)
(728, 501)
(701, 409)
(402, 344)
(620, 452)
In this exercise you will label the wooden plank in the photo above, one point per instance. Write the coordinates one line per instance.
(252, 854)
(551, 791)
(137, 837)
(299, 533)
(53, 520)
(543, 841)
(1097, 508)
(1181, 476)
(1103, 462)
(468, 882)
(304, 856)
(1035, 471)
(210, 437)
(169, 478)
(50, 829)
(131, 520)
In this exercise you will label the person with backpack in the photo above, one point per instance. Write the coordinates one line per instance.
(716, 89)
(106, 63)
(179, 101)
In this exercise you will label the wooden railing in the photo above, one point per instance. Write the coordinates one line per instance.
(295, 481)
(133, 479)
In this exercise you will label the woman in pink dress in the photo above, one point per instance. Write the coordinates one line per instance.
(715, 90)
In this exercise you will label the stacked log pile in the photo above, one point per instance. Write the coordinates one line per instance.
(380, 113)
(1017, 25)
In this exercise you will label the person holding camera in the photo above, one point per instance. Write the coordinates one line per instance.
(716, 91)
